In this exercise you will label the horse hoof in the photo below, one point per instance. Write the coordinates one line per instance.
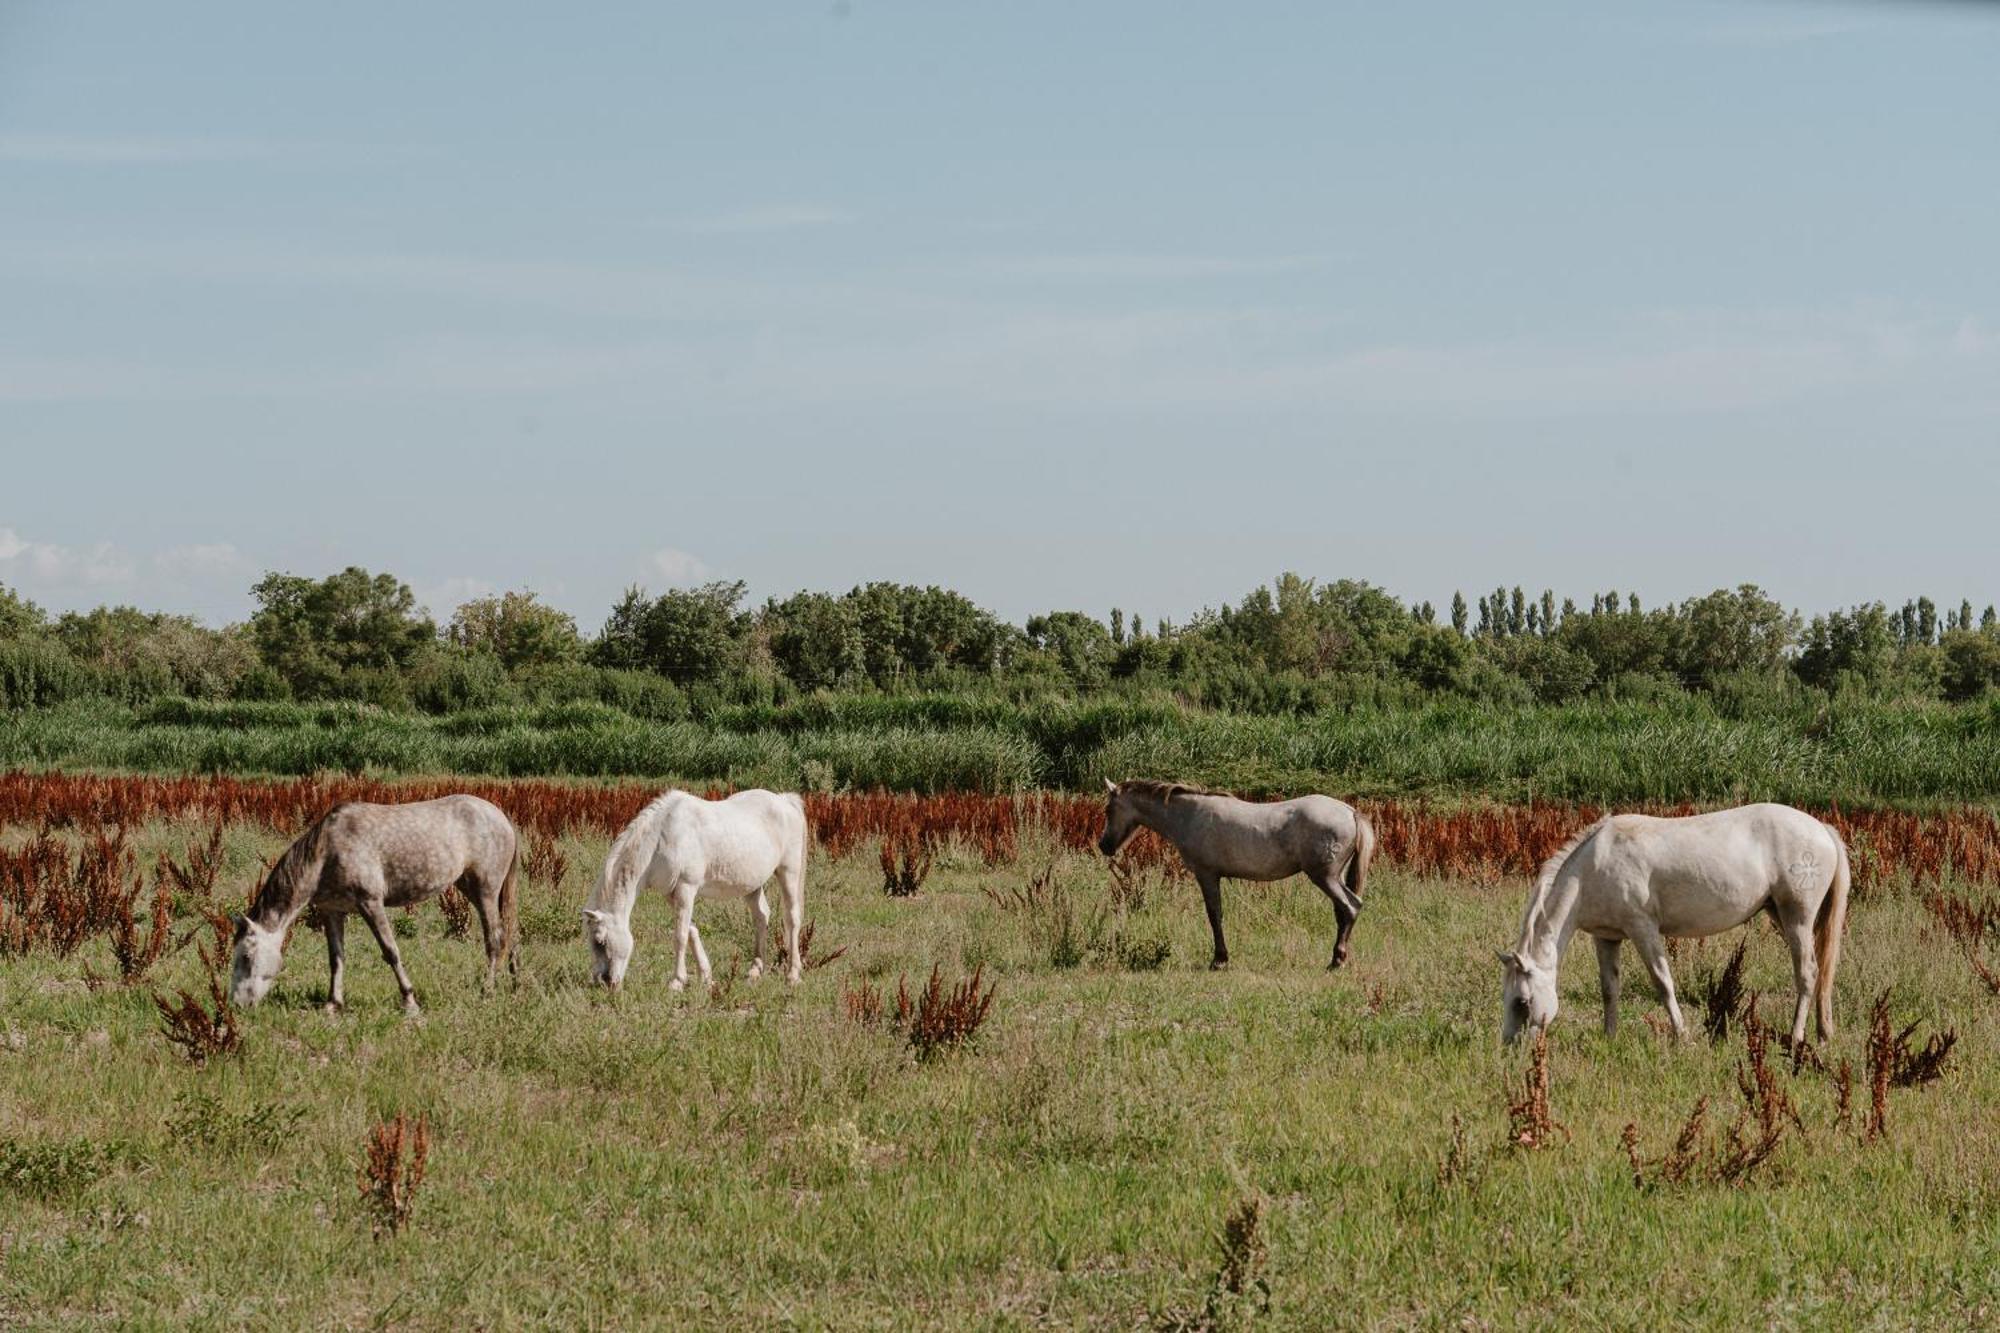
(333, 1009)
(1219, 965)
(753, 974)
(677, 985)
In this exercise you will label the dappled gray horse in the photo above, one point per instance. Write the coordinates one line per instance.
(1220, 837)
(367, 859)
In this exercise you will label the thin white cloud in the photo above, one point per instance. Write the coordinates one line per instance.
(678, 568)
(32, 564)
(447, 595)
(203, 560)
(776, 217)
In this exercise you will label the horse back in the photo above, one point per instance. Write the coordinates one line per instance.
(413, 850)
(736, 844)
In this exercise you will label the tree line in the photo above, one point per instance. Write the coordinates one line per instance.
(1295, 645)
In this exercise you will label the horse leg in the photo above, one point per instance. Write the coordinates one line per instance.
(792, 884)
(377, 917)
(485, 900)
(335, 926)
(1346, 908)
(760, 918)
(1211, 898)
(1654, 951)
(700, 954)
(1607, 982)
(1797, 928)
(683, 927)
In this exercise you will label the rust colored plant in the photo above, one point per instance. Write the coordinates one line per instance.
(906, 860)
(940, 1019)
(393, 1171)
(1722, 996)
(133, 949)
(202, 1032)
(546, 862)
(861, 1001)
(457, 912)
(1529, 1123)
(808, 960)
(195, 875)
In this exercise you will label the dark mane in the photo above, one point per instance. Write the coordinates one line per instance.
(1164, 791)
(275, 894)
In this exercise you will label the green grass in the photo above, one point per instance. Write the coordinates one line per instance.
(1683, 749)
(758, 1159)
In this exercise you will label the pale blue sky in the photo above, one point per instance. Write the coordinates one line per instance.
(1062, 305)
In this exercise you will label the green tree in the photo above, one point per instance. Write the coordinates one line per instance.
(1458, 612)
(687, 635)
(518, 629)
(1971, 664)
(1728, 632)
(816, 640)
(1077, 643)
(1858, 644)
(18, 615)
(344, 635)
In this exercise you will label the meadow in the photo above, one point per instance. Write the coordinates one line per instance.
(1127, 1139)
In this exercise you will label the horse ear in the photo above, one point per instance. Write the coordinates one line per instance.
(593, 915)
(1110, 786)
(1508, 958)
(242, 926)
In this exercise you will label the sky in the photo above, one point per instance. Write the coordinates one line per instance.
(1063, 306)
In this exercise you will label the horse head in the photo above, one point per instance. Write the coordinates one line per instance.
(1121, 820)
(610, 946)
(254, 962)
(1527, 996)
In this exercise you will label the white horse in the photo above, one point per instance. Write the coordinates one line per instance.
(1643, 878)
(689, 848)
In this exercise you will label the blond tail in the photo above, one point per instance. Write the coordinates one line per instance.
(1827, 930)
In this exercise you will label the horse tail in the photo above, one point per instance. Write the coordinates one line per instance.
(1356, 877)
(510, 905)
(1827, 930)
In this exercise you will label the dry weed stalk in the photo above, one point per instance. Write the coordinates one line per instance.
(808, 960)
(861, 1001)
(1722, 997)
(1529, 1124)
(943, 1019)
(393, 1171)
(906, 860)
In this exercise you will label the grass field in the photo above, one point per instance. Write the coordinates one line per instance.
(754, 1156)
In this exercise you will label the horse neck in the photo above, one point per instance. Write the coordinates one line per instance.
(287, 892)
(1164, 817)
(618, 888)
(1551, 921)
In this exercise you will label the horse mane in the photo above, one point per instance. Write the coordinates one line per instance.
(1545, 878)
(280, 886)
(642, 826)
(1164, 791)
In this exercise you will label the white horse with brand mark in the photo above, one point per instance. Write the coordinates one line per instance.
(1646, 879)
(689, 848)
